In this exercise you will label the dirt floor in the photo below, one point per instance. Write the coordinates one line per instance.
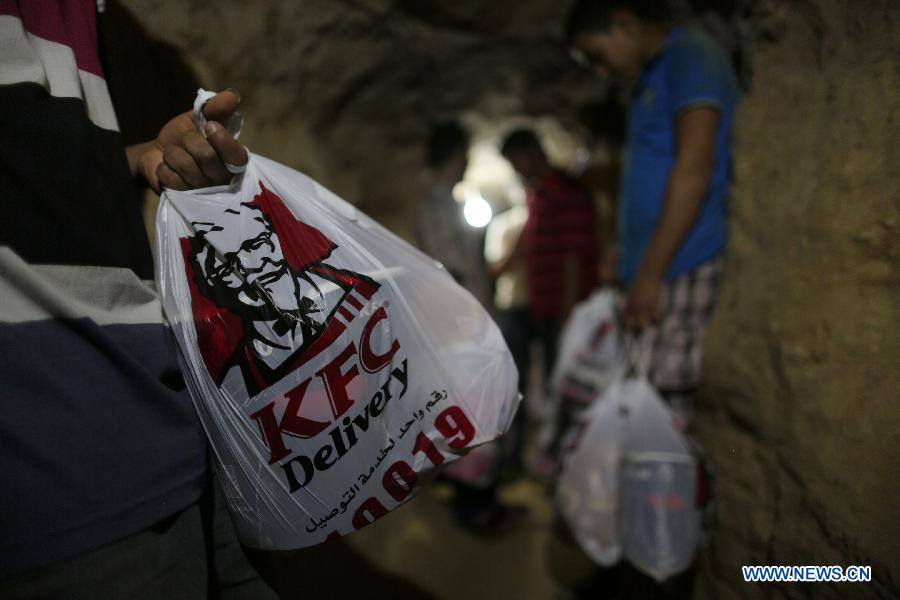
(419, 552)
(423, 543)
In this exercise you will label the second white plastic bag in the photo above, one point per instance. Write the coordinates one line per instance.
(628, 487)
(589, 357)
(588, 489)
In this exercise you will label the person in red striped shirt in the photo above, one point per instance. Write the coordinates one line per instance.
(558, 243)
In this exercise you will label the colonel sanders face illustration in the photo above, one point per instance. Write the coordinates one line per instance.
(249, 275)
(261, 300)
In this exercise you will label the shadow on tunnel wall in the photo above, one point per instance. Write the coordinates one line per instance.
(148, 80)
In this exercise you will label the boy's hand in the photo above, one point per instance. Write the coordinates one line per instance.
(181, 158)
(608, 262)
(643, 306)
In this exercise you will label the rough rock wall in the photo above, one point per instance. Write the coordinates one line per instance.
(345, 90)
(801, 404)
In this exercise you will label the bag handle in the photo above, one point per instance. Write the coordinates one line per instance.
(233, 126)
(630, 345)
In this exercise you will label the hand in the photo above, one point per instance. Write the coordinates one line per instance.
(607, 273)
(643, 306)
(181, 158)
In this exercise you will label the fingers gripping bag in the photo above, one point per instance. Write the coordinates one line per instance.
(333, 366)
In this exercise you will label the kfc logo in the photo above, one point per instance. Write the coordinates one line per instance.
(264, 298)
(600, 334)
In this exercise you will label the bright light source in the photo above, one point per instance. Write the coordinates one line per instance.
(477, 211)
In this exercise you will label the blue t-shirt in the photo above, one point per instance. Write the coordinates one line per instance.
(690, 70)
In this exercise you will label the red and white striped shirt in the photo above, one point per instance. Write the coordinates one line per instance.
(560, 222)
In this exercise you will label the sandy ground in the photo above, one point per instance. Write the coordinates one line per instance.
(419, 552)
(423, 544)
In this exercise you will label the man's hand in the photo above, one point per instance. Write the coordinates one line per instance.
(644, 303)
(609, 259)
(181, 158)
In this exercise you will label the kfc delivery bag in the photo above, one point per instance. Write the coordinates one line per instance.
(334, 367)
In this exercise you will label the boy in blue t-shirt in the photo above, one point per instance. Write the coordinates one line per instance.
(675, 178)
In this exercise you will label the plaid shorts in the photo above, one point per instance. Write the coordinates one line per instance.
(671, 350)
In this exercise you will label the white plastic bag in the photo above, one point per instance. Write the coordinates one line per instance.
(589, 357)
(478, 468)
(589, 360)
(333, 365)
(587, 492)
(661, 521)
(629, 486)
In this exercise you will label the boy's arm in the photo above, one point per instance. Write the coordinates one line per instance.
(695, 132)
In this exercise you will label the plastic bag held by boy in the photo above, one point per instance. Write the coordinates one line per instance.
(333, 366)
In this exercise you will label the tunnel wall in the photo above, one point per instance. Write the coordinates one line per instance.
(800, 406)
(345, 90)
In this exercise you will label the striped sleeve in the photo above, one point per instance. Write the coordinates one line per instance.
(54, 45)
(98, 436)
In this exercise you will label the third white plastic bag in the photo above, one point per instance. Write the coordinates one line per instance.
(333, 365)
(587, 492)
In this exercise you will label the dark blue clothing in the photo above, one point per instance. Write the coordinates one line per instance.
(690, 70)
(98, 437)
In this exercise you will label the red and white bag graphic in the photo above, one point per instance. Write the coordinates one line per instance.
(334, 366)
(589, 359)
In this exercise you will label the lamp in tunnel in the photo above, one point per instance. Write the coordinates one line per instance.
(477, 211)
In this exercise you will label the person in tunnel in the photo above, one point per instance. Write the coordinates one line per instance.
(511, 306)
(558, 243)
(440, 229)
(675, 179)
(682, 94)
